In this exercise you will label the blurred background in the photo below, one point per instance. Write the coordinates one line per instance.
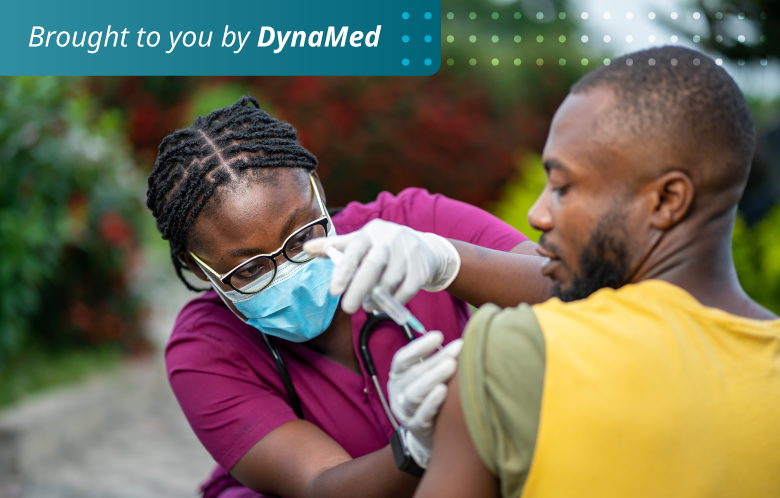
(87, 292)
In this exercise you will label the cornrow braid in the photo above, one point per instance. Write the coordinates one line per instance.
(217, 150)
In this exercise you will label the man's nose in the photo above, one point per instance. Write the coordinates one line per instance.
(539, 215)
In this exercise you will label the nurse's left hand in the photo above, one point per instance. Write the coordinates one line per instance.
(400, 260)
(417, 388)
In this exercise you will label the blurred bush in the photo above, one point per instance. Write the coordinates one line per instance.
(756, 249)
(452, 133)
(757, 255)
(70, 205)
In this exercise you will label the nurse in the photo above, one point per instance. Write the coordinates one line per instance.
(237, 196)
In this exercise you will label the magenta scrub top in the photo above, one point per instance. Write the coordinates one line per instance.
(227, 383)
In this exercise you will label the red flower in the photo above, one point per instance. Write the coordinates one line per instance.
(115, 230)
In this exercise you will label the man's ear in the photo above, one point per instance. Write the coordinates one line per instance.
(672, 196)
(190, 263)
(319, 187)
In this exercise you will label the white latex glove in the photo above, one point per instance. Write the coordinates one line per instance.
(399, 259)
(417, 388)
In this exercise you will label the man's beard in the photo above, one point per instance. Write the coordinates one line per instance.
(603, 263)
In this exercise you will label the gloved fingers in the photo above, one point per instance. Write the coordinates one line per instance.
(419, 388)
(316, 247)
(426, 412)
(410, 286)
(365, 278)
(395, 272)
(356, 248)
(411, 353)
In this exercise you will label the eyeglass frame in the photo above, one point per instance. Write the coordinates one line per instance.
(225, 277)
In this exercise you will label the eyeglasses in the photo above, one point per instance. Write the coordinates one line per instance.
(257, 273)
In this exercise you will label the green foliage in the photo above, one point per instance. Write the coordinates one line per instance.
(37, 370)
(69, 208)
(757, 256)
(520, 195)
(756, 250)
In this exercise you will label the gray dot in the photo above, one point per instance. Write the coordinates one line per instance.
(629, 62)
(741, 62)
(651, 62)
(696, 62)
(674, 62)
(718, 38)
(719, 15)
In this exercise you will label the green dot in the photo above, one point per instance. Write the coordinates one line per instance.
(540, 38)
(696, 39)
(539, 62)
(472, 38)
(450, 15)
(450, 39)
(517, 38)
(517, 62)
(473, 62)
(561, 38)
(495, 38)
(584, 62)
(473, 15)
(450, 62)
(562, 62)
(607, 62)
(539, 16)
(763, 38)
(517, 15)
(562, 15)
(495, 62)
(495, 15)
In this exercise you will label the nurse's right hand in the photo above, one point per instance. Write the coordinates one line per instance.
(401, 260)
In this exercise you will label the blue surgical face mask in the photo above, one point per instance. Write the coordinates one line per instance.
(296, 306)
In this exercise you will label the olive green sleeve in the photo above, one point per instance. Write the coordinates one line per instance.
(501, 372)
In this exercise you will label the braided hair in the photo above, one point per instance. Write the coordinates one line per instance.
(217, 150)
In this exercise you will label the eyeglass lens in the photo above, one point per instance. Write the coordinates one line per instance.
(261, 270)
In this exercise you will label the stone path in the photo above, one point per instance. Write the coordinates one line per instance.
(148, 452)
(120, 436)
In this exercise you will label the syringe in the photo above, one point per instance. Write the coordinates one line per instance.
(385, 301)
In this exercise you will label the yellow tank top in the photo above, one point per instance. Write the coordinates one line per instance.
(647, 393)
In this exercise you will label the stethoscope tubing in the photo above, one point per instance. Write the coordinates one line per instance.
(372, 322)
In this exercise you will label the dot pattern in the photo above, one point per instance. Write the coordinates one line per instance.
(584, 38)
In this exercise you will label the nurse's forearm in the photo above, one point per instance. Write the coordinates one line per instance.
(374, 475)
(502, 278)
(298, 460)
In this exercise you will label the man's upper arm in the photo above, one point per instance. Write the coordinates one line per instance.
(497, 397)
(455, 469)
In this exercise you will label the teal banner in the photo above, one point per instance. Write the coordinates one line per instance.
(231, 38)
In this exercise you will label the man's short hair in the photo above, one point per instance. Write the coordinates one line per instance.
(683, 98)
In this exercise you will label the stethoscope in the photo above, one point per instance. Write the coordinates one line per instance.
(372, 322)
